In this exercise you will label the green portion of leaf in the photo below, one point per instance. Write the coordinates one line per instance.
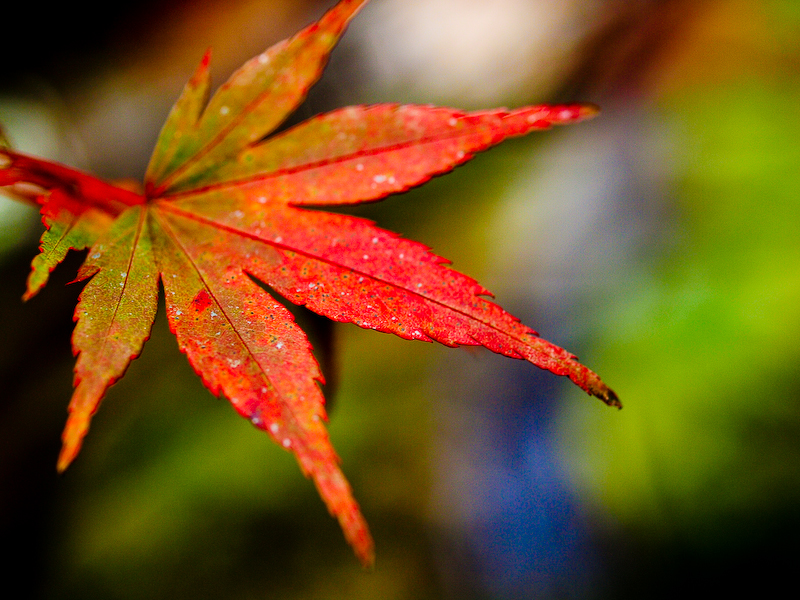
(65, 231)
(250, 105)
(114, 316)
(170, 151)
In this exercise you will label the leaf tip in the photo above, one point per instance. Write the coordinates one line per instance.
(572, 113)
(74, 431)
(368, 561)
(364, 548)
(65, 457)
(206, 60)
(587, 111)
(607, 395)
(4, 143)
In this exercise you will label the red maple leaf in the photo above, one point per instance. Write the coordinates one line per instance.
(223, 205)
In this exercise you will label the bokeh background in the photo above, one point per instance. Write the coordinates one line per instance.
(660, 242)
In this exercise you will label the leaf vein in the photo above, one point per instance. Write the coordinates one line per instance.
(222, 185)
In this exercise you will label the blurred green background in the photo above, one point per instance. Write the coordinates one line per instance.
(660, 242)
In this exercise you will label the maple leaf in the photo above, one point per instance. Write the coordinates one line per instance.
(222, 208)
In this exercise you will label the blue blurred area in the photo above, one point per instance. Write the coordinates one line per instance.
(520, 529)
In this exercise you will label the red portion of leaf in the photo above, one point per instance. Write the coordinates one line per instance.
(245, 345)
(348, 270)
(76, 207)
(364, 153)
(85, 190)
